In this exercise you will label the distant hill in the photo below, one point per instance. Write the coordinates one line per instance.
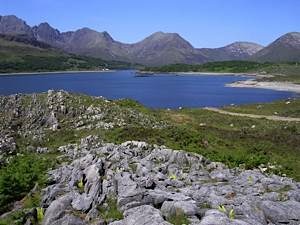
(234, 51)
(158, 49)
(285, 48)
(24, 54)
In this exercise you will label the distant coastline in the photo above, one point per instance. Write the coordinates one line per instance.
(206, 73)
(250, 83)
(55, 72)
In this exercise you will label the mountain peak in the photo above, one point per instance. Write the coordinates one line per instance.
(285, 48)
(160, 34)
(93, 34)
(244, 48)
(14, 26)
(45, 33)
(161, 40)
(244, 43)
(293, 34)
(45, 24)
(290, 39)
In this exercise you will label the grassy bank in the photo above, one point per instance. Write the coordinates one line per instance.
(287, 108)
(229, 139)
(281, 71)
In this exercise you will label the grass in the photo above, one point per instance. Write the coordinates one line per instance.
(228, 139)
(179, 218)
(289, 71)
(16, 218)
(110, 212)
(269, 142)
(287, 108)
(32, 201)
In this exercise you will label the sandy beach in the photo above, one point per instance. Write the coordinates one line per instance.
(279, 86)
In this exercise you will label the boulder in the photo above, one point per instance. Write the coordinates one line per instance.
(171, 208)
(57, 209)
(146, 215)
(69, 220)
(215, 217)
(282, 212)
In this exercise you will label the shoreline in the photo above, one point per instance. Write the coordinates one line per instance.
(250, 83)
(272, 85)
(207, 73)
(56, 72)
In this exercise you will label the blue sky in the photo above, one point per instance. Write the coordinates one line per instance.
(204, 23)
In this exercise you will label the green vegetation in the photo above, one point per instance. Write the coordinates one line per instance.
(235, 141)
(289, 71)
(287, 108)
(224, 67)
(32, 200)
(21, 57)
(231, 214)
(19, 177)
(228, 139)
(222, 209)
(40, 214)
(173, 177)
(80, 185)
(232, 140)
(16, 218)
(111, 211)
(179, 218)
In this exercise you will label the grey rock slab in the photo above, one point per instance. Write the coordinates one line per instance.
(215, 217)
(170, 208)
(69, 220)
(143, 215)
(56, 209)
(282, 212)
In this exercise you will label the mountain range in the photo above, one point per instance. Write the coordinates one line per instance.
(158, 49)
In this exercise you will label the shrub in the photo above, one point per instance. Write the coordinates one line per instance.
(19, 177)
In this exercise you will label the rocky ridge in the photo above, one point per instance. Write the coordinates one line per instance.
(157, 49)
(34, 117)
(152, 184)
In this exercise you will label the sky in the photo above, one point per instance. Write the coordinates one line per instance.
(204, 23)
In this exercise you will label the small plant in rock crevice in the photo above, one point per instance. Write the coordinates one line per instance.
(172, 177)
(178, 218)
(40, 214)
(109, 211)
(80, 185)
(230, 214)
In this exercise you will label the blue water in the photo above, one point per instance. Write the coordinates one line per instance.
(160, 91)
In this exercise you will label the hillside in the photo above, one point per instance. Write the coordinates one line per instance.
(286, 48)
(23, 54)
(69, 159)
(234, 51)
